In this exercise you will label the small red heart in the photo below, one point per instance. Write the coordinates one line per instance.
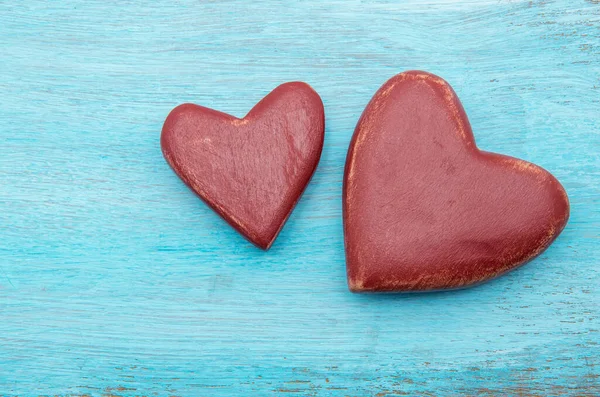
(253, 170)
(425, 209)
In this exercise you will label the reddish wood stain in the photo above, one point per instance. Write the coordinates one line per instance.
(425, 209)
(253, 170)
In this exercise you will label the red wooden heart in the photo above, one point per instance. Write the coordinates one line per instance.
(425, 209)
(251, 171)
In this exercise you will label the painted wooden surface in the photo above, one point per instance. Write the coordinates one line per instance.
(116, 281)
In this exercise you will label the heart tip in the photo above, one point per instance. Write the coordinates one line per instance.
(264, 245)
(356, 286)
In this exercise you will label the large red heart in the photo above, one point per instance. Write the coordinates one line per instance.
(251, 171)
(425, 209)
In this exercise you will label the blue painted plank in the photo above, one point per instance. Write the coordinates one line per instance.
(116, 281)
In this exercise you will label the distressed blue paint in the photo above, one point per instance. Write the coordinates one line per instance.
(116, 280)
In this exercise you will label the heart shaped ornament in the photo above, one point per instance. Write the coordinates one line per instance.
(425, 209)
(253, 170)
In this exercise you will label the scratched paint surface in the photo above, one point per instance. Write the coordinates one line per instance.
(115, 280)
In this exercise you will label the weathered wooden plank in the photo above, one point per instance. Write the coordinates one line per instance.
(116, 280)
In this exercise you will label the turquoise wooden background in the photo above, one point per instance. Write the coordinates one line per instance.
(116, 281)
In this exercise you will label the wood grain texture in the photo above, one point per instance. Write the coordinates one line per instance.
(251, 170)
(116, 280)
(424, 209)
